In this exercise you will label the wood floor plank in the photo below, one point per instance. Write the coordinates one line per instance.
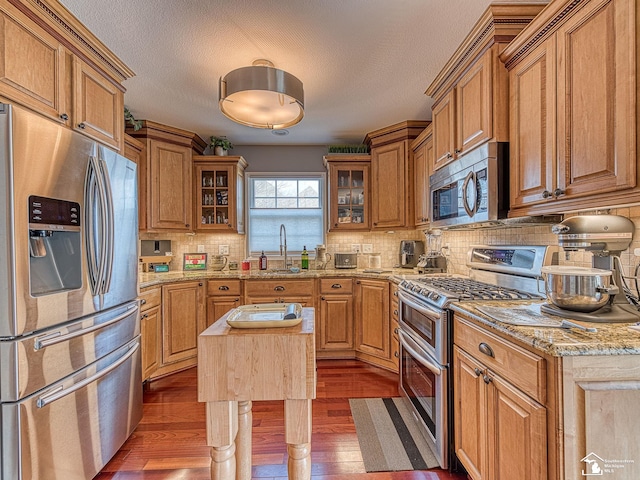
(170, 442)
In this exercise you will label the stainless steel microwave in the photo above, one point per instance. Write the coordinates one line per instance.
(473, 189)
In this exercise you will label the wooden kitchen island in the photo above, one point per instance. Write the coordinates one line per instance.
(238, 366)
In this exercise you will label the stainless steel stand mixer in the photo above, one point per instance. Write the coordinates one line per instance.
(606, 236)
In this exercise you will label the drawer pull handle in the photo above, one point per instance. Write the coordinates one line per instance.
(279, 288)
(477, 371)
(486, 349)
(487, 379)
(223, 287)
(336, 285)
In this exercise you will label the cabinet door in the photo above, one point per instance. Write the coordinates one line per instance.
(389, 165)
(444, 130)
(215, 197)
(349, 197)
(98, 106)
(517, 433)
(24, 50)
(596, 99)
(151, 340)
(135, 151)
(218, 306)
(473, 106)
(182, 320)
(170, 186)
(372, 318)
(469, 394)
(422, 171)
(533, 132)
(336, 322)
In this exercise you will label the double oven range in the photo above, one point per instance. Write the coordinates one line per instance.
(425, 333)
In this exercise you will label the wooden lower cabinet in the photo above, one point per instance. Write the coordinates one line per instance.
(335, 328)
(279, 291)
(373, 322)
(222, 296)
(183, 319)
(150, 330)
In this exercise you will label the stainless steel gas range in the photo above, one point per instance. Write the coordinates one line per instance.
(496, 273)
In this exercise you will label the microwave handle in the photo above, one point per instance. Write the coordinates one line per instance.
(470, 180)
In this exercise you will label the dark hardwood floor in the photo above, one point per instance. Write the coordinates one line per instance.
(169, 443)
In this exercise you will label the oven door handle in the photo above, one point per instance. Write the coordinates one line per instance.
(404, 298)
(406, 341)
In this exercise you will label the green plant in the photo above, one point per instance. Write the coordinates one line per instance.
(220, 142)
(361, 148)
(128, 118)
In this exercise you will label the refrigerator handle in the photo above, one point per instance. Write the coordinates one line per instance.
(109, 230)
(104, 227)
(61, 392)
(90, 201)
(49, 339)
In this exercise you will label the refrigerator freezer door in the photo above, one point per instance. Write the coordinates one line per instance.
(71, 429)
(32, 362)
(39, 157)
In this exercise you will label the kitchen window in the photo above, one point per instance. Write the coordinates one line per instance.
(296, 200)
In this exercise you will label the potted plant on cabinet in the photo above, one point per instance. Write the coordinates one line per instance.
(220, 145)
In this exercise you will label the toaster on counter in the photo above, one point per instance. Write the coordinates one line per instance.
(346, 260)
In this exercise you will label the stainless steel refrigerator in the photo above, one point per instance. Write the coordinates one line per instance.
(70, 377)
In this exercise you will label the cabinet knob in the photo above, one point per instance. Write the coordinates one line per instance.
(487, 379)
(375, 223)
(546, 194)
(64, 117)
(395, 330)
(237, 300)
(395, 312)
(486, 349)
(279, 288)
(557, 192)
(81, 126)
(223, 287)
(229, 225)
(322, 298)
(144, 315)
(187, 225)
(200, 284)
(143, 301)
(457, 151)
(395, 294)
(477, 371)
(396, 354)
(357, 282)
(449, 155)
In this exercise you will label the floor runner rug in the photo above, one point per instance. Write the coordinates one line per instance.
(389, 437)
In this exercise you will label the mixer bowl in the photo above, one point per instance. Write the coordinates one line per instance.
(579, 289)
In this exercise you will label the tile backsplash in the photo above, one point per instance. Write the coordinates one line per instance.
(388, 244)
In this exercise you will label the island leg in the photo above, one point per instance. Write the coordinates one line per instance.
(222, 428)
(243, 441)
(297, 414)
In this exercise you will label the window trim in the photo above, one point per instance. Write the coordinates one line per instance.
(321, 176)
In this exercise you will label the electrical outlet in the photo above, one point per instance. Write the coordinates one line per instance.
(367, 248)
(446, 251)
(200, 248)
(355, 248)
(223, 249)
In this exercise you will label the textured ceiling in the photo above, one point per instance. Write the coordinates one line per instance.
(365, 64)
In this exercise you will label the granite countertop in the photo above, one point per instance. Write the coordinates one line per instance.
(152, 279)
(609, 339)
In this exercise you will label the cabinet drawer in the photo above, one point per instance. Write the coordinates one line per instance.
(336, 285)
(150, 297)
(280, 288)
(224, 287)
(524, 369)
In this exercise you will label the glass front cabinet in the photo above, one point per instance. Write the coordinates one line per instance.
(219, 197)
(348, 192)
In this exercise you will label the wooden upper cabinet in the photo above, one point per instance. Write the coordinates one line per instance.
(471, 92)
(422, 148)
(392, 175)
(573, 105)
(32, 64)
(51, 63)
(349, 192)
(165, 177)
(98, 106)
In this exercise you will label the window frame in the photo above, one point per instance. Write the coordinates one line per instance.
(249, 196)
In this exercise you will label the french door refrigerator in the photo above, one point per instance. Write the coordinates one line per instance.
(70, 376)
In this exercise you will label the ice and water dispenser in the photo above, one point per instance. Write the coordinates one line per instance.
(55, 249)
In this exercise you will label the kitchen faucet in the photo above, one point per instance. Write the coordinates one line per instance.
(283, 246)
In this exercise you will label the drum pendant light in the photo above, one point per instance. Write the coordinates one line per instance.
(261, 96)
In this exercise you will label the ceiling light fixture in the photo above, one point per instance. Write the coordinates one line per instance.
(261, 96)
